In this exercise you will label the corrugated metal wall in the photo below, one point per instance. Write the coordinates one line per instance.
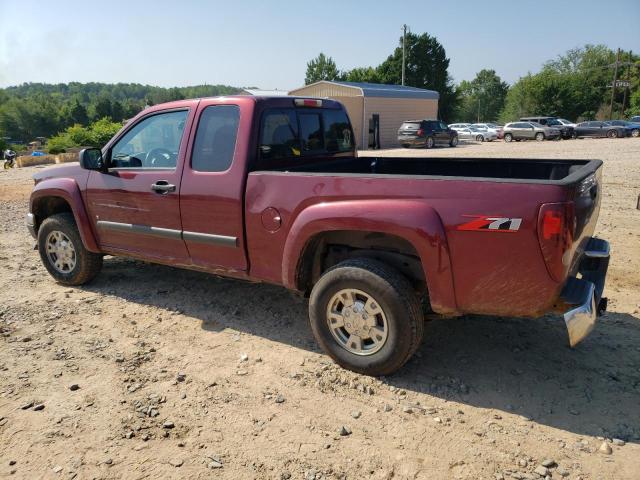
(394, 111)
(323, 90)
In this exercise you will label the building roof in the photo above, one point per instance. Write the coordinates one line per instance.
(386, 91)
(265, 93)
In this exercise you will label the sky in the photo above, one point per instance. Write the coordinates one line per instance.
(268, 43)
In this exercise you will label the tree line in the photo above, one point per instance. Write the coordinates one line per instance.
(35, 110)
(575, 85)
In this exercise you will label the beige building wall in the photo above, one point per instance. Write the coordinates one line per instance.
(394, 111)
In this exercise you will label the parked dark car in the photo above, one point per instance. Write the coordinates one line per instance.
(566, 131)
(426, 133)
(632, 128)
(599, 129)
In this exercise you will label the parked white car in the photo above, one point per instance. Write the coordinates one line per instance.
(475, 133)
(566, 122)
(458, 126)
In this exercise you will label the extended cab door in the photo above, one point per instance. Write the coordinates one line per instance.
(213, 182)
(135, 204)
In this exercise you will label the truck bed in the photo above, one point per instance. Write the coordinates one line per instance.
(550, 171)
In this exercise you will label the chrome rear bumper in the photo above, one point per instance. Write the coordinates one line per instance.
(583, 295)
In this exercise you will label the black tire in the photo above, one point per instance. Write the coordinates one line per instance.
(479, 138)
(612, 134)
(508, 137)
(395, 296)
(635, 133)
(429, 142)
(405, 145)
(87, 264)
(539, 137)
(454, 141)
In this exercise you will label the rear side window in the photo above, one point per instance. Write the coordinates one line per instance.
(311, 132)
(215, 139)
(289, 132)
(279, 136)
(337, 131)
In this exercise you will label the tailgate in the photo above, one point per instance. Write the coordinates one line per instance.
(587, 194)
(565, 228)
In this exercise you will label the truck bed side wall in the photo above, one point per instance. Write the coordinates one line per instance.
(466, 271)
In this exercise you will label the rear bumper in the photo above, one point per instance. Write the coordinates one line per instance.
(30, 220)
(583, 296)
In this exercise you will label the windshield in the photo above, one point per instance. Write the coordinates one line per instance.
(537, 125)
(564, 121)
(553, 122)
(410, 126)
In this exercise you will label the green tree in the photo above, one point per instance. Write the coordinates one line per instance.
(575, 85)
(321, 68)
(427, 66)
(482, 99)
(362, 74)
(96, 135)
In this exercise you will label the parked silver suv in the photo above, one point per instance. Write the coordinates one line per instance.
(529, 131)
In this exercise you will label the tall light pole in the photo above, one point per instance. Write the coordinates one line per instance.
(404, 41)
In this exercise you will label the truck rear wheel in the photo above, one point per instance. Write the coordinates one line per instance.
(63, 253)
(366, 316)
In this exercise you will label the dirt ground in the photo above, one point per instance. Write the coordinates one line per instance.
(185, 375)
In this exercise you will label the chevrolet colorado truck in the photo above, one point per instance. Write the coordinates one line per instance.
(272, 190)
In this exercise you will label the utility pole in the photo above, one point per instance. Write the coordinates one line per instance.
(626, 87)
(404, 41)
(613, 87)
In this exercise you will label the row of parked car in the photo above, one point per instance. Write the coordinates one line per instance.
(429, 133)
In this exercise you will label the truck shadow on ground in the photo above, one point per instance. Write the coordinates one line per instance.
(520, 366)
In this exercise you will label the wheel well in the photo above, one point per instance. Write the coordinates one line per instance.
(47, 206)
(325, 250)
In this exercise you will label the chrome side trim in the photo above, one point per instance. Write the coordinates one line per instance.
(140, 229)
(210, 239)
(206, 238)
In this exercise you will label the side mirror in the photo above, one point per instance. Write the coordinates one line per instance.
(91, 159)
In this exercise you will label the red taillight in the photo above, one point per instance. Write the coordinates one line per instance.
(555, 234)
(552, 224)
(307, 102)
(420, 132)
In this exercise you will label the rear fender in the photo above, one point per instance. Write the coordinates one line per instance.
(412, 220)
(69, 191)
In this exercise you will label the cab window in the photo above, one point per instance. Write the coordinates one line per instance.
(154, 142)
(215, 140)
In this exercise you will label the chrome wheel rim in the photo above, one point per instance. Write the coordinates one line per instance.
(429, 142)
(357, 322)
(60, 252)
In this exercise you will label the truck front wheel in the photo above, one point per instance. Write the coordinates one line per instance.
(366, 316)
(62, 251)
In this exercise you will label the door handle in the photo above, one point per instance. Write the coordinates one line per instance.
(163, 187)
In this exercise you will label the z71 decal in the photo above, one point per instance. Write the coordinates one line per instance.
(482, 223)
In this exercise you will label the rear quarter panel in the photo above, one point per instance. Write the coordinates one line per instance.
(482, 272)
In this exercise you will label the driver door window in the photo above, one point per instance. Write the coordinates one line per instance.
(152, 143)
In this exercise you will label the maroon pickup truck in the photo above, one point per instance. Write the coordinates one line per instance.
(272, 190)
